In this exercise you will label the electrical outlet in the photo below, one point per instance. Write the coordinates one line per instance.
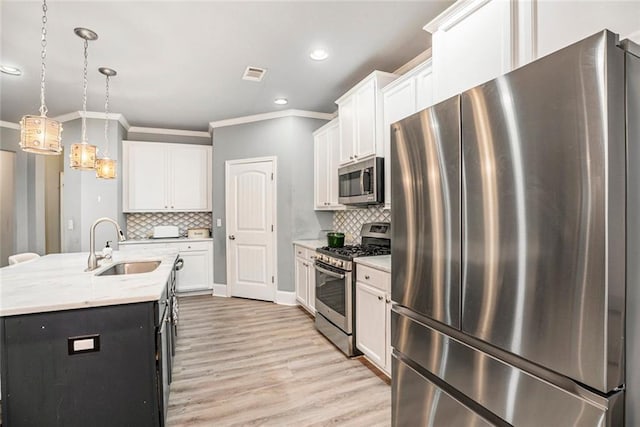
(70, 224)
(218, 222)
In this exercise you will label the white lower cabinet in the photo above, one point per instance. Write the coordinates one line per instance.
(373, 315)
(305, 276)
(197, 272)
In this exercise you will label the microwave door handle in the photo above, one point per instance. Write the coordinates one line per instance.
(329, 272)
(362, 181)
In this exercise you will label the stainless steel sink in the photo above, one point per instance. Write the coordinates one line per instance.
(130, 268)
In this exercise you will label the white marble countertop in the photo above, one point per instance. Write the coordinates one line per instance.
(59, 282)
(381, 262)
(168, 240)
(310, 243)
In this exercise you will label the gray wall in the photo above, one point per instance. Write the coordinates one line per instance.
(87, 198)
(290, 139)
(27, 221)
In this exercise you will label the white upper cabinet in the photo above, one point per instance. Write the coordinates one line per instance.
(405, 96)
(471, 44)
(159, 177)
(474, 41)
(326, 154)
(360, 112)
(145, 177)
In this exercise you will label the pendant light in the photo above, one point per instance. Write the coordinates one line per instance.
(40, 134)
(106, 167)
(83, 154)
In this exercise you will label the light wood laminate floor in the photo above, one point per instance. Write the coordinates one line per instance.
(249, 363)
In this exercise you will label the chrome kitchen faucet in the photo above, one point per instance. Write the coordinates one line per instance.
(93, 258)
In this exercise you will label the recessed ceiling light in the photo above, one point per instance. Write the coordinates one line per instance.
(319, 55)
(281, 101)
(12, 71)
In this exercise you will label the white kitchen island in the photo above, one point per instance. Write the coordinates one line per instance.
(82, 349)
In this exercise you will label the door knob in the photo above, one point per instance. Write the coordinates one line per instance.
(232, 237)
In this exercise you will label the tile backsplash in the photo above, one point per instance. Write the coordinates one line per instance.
(350, 221)
(140, 225)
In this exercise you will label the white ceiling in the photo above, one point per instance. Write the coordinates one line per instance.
(180, 63)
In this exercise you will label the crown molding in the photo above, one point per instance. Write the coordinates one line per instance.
(413, 63)
(175, 132)
(9, 125)
(453, 15)
(269, 116)
(93, 115)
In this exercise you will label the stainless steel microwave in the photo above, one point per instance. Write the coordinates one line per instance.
(362, 183)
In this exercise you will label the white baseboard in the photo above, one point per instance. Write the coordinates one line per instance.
(194, 293)
(286, 298)
(220, 289)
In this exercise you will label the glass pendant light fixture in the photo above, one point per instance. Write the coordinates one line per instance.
(40, 134)
(83, 154)
(106, 167)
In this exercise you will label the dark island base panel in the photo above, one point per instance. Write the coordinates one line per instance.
(90, 367)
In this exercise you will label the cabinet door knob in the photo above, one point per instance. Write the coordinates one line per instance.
(165, 206)
(355, 156)
(232, 237)
(388, 300)
(366, 276)
(379, 298)
(171, 207)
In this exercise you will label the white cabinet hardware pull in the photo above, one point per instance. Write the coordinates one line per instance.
(379, 298)
(366, 276)
(232, 237)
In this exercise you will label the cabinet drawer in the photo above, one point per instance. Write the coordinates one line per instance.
(300, 251)
(304, 253)
(376, 278)
(191, 246)
(142, 246)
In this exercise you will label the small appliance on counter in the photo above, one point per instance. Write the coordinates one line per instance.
(335, 239)
(166, 232)
(198, 233)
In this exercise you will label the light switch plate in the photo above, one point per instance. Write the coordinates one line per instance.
(218, 222)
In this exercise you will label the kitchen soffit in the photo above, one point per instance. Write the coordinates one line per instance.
(180, 64)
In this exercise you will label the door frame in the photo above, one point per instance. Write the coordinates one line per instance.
(274, 208)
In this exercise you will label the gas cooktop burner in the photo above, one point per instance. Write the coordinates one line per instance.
(354, 251)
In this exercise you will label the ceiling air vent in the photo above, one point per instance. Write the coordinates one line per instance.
(254, 74)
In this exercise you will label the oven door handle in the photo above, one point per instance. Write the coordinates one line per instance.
(329, 272)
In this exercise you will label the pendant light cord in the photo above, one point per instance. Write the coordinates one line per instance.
(106, 120)
(84, 92)
(43, 55)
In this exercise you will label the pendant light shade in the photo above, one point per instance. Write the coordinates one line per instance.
(40, 134)
(106, 167)
(83, 155)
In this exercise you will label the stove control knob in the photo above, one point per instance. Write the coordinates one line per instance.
(341, 264)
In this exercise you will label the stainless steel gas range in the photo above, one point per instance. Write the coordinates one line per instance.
(335, 304)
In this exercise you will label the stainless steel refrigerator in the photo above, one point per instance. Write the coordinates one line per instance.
(515, 247)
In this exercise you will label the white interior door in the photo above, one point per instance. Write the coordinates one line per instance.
(250, 211)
